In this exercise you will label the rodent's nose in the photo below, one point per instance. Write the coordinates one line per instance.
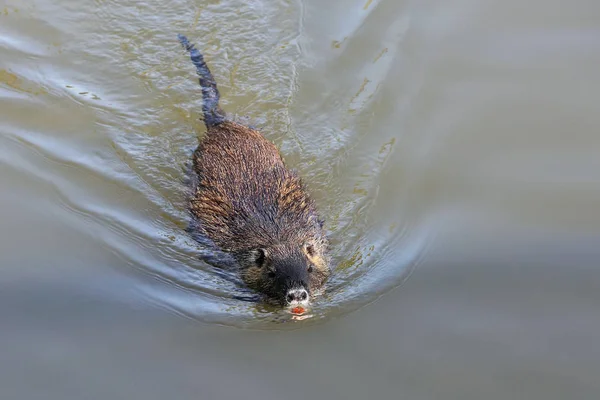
(296, 295)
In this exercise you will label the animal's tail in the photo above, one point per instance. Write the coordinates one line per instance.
(213, 115)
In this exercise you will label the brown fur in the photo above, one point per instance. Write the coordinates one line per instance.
(251, 206)
(246, 199)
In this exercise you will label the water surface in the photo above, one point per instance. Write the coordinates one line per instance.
(451, 147)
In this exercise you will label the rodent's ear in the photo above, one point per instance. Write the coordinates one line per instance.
(260, 256)
(309, 250)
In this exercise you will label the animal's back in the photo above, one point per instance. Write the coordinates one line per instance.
(246, 197)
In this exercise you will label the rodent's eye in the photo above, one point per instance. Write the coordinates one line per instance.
(271, 274)
(310, 269)
(310, 250)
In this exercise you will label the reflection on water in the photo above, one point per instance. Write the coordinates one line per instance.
(455, 140)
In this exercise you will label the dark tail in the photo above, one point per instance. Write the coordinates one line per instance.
(213, 115)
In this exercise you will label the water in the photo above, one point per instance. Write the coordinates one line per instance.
(451, 146)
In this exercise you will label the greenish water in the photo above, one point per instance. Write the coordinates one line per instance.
(451, 146)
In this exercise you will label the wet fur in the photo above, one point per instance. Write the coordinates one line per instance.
(250, 205)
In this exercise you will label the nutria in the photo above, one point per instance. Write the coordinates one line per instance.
(251, 206)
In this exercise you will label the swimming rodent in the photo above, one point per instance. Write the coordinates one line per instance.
(251, 206)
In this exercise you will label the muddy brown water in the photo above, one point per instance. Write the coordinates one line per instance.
(453, 148)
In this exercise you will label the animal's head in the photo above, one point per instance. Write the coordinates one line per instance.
(288, 274)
